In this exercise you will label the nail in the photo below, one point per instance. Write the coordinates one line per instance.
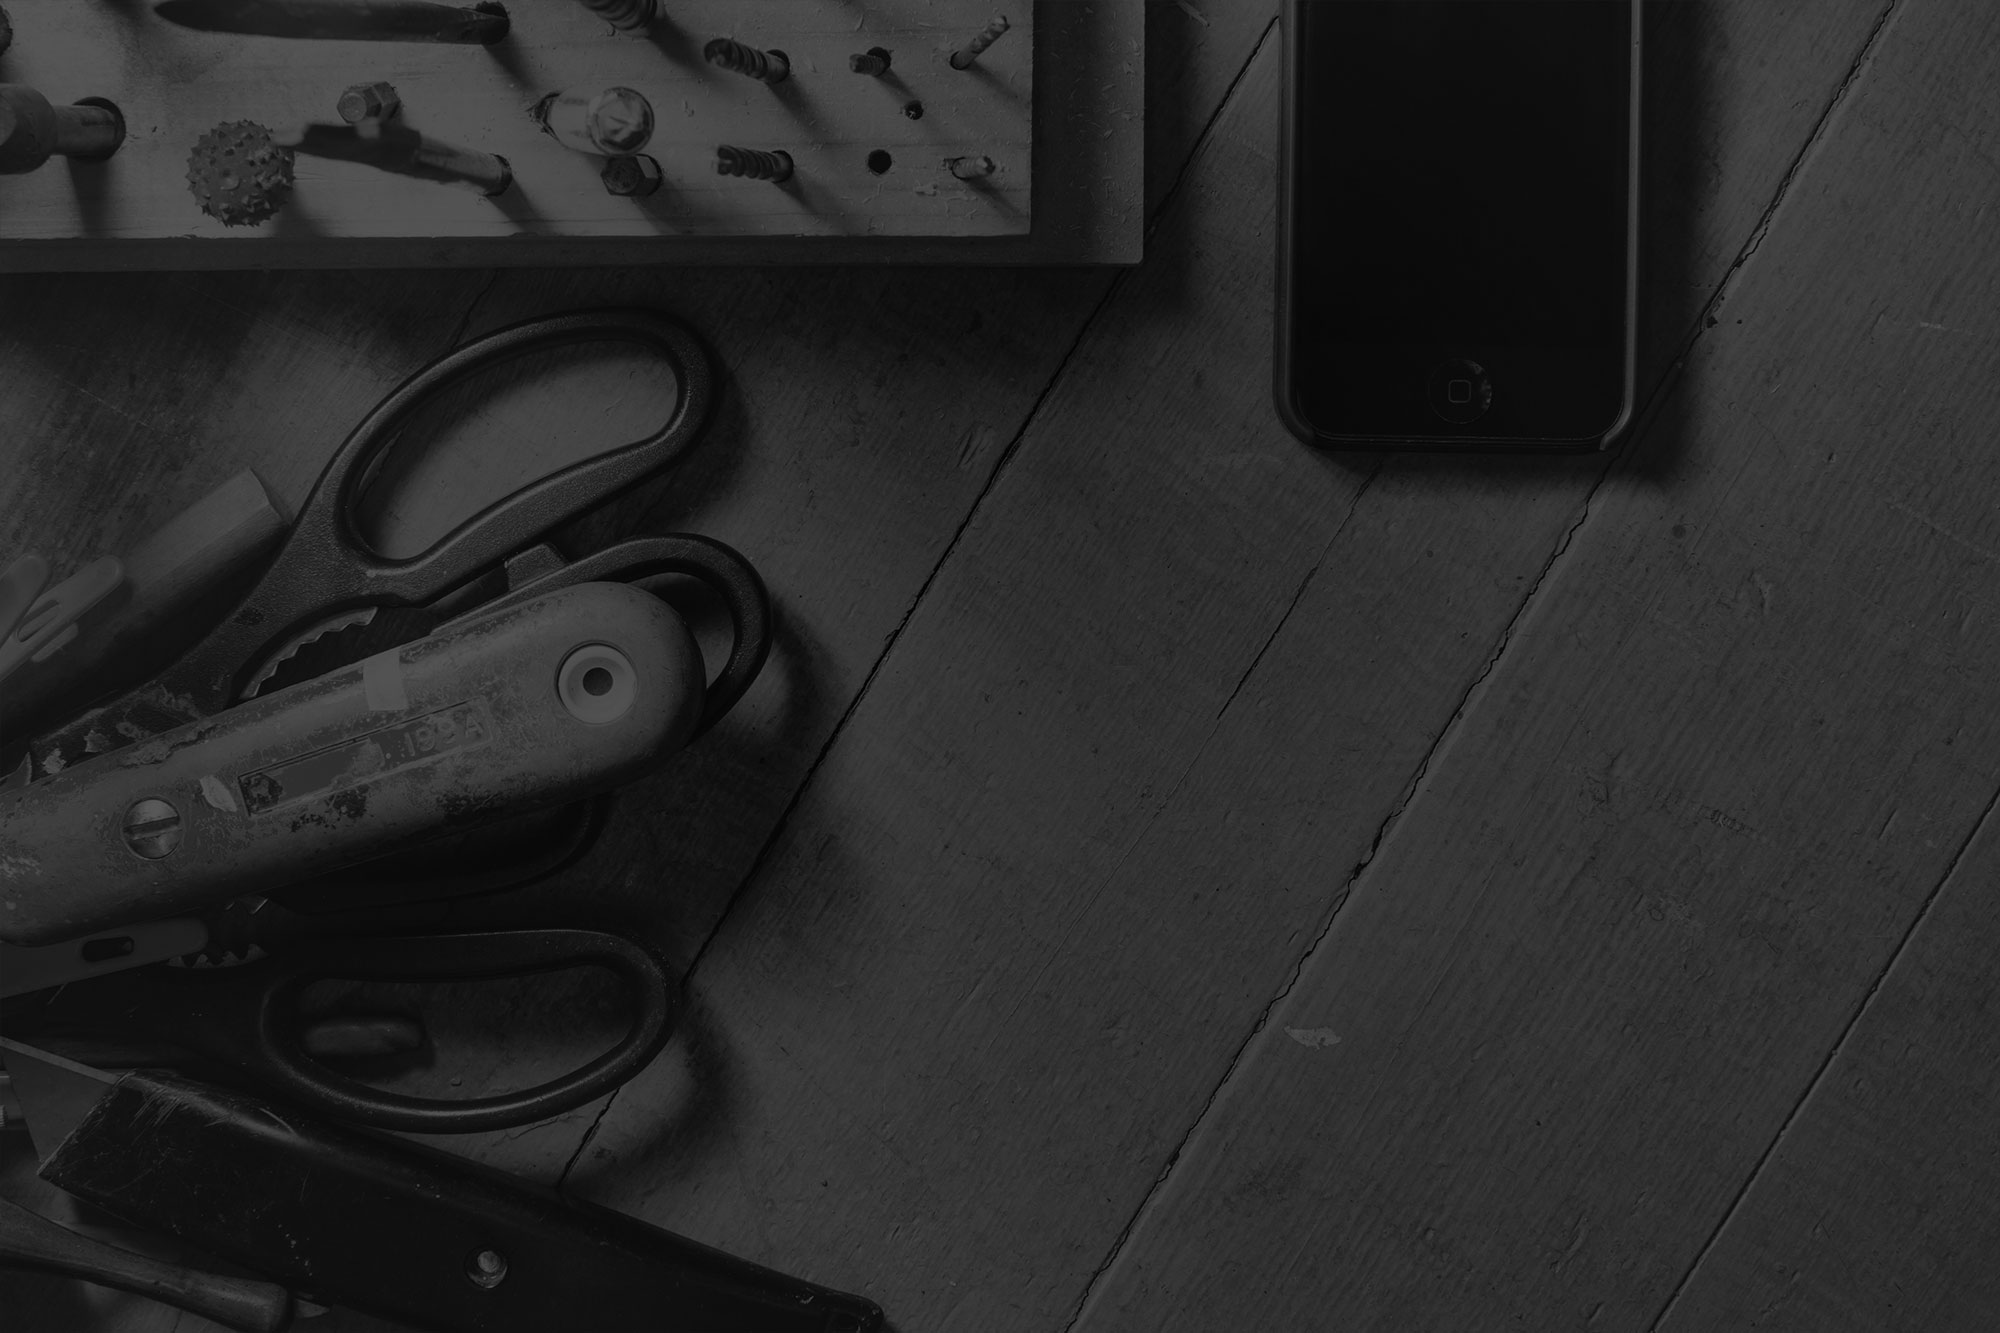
(613, 121)
(873, 61)
(991, 33)
(770, 66)
(773, 166)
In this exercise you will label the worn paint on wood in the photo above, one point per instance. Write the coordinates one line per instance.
(173, 84)
(1736, 741)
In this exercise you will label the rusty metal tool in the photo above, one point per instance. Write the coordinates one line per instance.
(386, 1226)
(343, 20)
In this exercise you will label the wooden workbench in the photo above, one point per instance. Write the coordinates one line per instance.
(1172, 880)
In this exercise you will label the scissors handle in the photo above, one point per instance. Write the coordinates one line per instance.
(643, 560)
(277, 1058)
(327, 566)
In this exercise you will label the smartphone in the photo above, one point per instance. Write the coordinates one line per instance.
(1458, 223)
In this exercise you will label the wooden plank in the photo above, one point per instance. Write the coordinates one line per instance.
(1050, 872)
(1680, 830)
(135, 210)
(1880, 1205)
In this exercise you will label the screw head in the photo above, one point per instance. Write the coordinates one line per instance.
(152, 828)
(487, 1268)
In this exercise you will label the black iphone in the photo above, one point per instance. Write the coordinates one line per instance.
(1458, 223)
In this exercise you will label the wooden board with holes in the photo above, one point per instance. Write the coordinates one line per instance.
(871, 179)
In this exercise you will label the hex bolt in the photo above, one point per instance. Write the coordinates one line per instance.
(609, 120)
(634, 174)
(770, 66)
(152, 828)
(369, 101)
(873, 61)
(991, 33)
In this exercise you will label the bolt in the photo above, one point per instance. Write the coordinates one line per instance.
(770, 66)
(971, 168)
(634, 174)
(772, 166)
(872, 61)
(369, 101)
(991, 33)
(152, 828)
(630, 15)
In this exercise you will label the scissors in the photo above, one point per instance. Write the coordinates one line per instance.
(246, 1021)
(327, 577)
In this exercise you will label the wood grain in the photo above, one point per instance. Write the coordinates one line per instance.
(1878, 1207)
(1741, 733)
(1050, 872)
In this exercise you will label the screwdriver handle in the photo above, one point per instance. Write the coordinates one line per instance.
(29, 1240)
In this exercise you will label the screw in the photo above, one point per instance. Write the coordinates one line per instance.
(631, 15)
(152, 828)
(872, 61)
(971, 168)
(369, 101)
(991, 33)
(633, 174)
(487, 1269)
(770, 66)
(772, 166)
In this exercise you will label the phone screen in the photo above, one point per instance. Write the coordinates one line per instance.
(1459, 228)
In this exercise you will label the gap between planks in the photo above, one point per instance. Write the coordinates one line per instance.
(1621, 463)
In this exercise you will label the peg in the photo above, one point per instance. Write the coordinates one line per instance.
(971, 168)
(611, 121)
(32, 130)
(773, 166)
(770, 66)
(369, 101)
(873, 61)
(633, 174)
(626, 15)
(991, 33)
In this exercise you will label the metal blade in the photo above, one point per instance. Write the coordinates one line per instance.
(31, 969)
(55, 1094)
(343, 20)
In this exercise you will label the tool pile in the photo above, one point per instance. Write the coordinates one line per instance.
(168, 846)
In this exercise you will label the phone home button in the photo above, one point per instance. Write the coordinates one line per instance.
(1459, 391)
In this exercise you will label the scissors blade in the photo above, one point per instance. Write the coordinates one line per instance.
(37, 967)
(55, 1094)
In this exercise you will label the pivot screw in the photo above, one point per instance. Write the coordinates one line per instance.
(487, 1269)
(152, 828)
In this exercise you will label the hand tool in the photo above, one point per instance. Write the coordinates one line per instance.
(29, 1240)
(394, 146)
(306, 751)
(32, 129)
(344, 20)
(246, 1021)
(170, 577)
(23, 971)
(385, 1226)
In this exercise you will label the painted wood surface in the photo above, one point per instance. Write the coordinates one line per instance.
(173, 84)
(1738, 739)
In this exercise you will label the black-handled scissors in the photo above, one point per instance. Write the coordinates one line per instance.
(327, 575)
(247, 1019)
